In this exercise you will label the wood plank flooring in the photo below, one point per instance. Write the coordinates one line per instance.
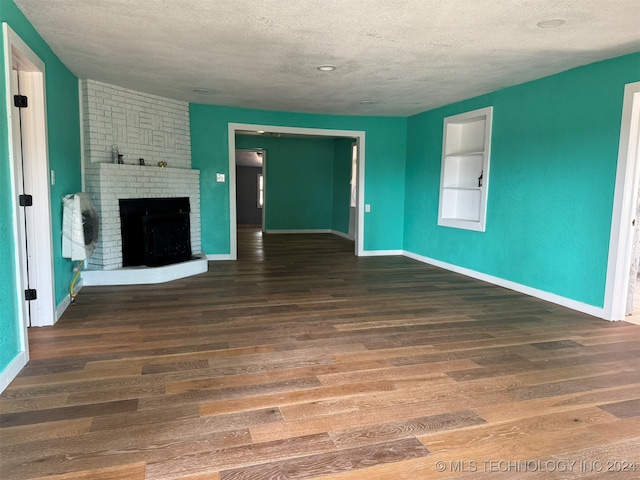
(302, 361)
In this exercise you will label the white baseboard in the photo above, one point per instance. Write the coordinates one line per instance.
(12, 370)
(66, 301)
(216, 257)
(501, 282)
(382, 253)
(341, 234)
(146, 275)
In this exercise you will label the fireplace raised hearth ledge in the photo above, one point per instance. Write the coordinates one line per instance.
(146, 275)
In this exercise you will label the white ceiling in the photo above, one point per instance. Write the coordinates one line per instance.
(405, 56)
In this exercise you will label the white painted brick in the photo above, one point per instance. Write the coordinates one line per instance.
(142, 125)
(134, 181)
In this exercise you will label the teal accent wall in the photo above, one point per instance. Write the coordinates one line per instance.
(552, 178)
(341, 184)
(299, 181)
(384, 173)
(63, 123)
(63, 110)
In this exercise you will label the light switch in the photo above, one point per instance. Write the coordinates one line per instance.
(220, 177)
(367, 207)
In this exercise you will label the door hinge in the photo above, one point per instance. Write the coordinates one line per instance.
(20, 101)
(30, 294)
(26, 200)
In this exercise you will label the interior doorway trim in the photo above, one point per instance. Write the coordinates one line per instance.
(360, 139)
(35, 144)
(626, 191)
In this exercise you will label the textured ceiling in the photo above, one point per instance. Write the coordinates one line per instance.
(403, 56)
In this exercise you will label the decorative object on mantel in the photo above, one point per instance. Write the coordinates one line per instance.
(141, 162)
(162, 164)
(115, 153)
(121, 159)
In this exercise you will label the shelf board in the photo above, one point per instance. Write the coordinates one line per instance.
(462, 188)
(462, 223)
(464, 154)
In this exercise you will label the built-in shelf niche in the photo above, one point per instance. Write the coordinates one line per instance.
(464, 180)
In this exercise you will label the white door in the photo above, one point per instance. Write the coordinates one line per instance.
(635, 227)
(624, 207)
(30, 175)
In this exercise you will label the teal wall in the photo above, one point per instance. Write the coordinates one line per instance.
(341, 184)
(64, 157)
(552, 177)
(384, 172)
(299, 181)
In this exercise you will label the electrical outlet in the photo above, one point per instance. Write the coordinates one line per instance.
(220, 177)
(367, 207)
(53, 177)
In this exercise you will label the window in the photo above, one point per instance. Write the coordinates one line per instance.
(260, 190)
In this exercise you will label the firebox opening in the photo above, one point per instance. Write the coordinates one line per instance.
(155, 231)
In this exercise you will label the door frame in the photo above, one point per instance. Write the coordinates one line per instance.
(626, 191)
(264, 188)
(357, 134)
(36, 178)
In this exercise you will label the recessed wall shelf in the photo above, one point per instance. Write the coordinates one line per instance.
(464, 180)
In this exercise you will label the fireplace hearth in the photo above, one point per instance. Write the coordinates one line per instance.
(155, 231)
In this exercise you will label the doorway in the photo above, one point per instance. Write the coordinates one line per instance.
(29, 164)
(624, 207)
(359, 137)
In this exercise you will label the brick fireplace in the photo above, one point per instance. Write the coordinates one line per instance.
(143, 126)
(107, 183)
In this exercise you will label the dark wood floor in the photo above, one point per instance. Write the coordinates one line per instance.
(302, 361)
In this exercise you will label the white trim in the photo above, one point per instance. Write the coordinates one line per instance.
(12, 370)
(359, 233)
(382, 253)
(357, 134)
(37, 180)
(233, 225)
(264, 187)
(341, 234)
(219, 257)
(146, 275)
(533, 292)
(66, 301)
(626, 187)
